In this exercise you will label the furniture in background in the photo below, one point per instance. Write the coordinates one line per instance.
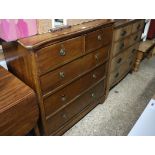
(13, 29)
(151, 32)
(68, 69)
(146, 49)
(19, 110)
(126, 38)
(44, 25)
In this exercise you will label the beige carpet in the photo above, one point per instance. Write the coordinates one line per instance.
(125, 103)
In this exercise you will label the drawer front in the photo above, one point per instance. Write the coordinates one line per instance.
(132, 51)
(138, 26)
(59, 119)
(122, 32)
(118, 60)
(55, 55)
(72, 70)
(119, 46)
(117, 74)
(98, 39)
(135, 38)
(70, 92)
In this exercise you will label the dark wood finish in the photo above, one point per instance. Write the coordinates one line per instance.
(64, 96)
(124, 48)
(97, 39)
(19, 111)
(38, 41)
(72, 70)
(37, 61)
(75, 107)
(55, 55)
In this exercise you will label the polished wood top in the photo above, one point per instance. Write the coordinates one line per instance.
(35, 41)
(9, 86)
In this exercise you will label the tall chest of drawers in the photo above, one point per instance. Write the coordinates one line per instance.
(126, 38)
(68, 69)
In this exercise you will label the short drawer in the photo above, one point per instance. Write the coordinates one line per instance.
(70, 71)
(70, 92)
(139, 25)
(59, 119)
(98, 39)
(55, 55)
(120, 46)
(132, 51)
(122, 32)
(118, 60)
(135, 38)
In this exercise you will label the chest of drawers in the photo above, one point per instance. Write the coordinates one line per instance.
(126, 38)
(68, 70)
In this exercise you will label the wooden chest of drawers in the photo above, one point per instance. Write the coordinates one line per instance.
(68, 70)
(126, 37)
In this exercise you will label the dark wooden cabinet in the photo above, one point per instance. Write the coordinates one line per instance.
(68, 69)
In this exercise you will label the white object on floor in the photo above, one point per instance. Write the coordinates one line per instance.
(145, 125)
(3, 63)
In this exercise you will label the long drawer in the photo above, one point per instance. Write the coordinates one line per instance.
(55, 55)
(70, 92)
(75, 107)
(120, 46)
(122, 32)
(98, 39)
(72, 70)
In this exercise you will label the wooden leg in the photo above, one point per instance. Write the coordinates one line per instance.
(139, 58)
(36, 130)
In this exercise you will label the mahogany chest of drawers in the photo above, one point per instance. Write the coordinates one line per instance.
(126, 38)
(68, 69)
(19, 111)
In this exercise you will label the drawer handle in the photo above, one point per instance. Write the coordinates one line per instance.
(130, 63)
(119, 60)
(64, 116)
(122, 46)
(123, 33)
(93, 95)
(116, 75)
(96, 57)
(63, 98)
(133, 51)
(62, 52)
(136, 37)
(99, 37)
(94, 76)
(138, 26)
(61, 74)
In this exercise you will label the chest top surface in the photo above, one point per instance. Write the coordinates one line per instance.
(38, 40)
(12, 90)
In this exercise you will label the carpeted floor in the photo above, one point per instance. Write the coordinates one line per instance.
(125, 103)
